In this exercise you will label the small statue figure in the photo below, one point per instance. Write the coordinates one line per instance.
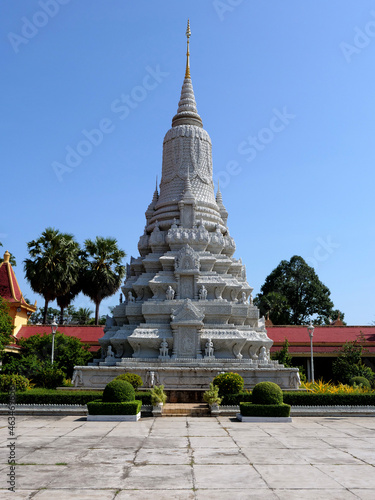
(263, 356)
(294, 380)
(77, 378)
(203, 293)
(163, 349)
(251, 299)
(152, 378)
(209, 351)
(110, 353)
(130, 297)
(243, 298)
(169, 294)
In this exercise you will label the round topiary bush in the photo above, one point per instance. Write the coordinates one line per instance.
(360, 381)
(133, 379)
(18, 381)
(267, 393)
(118, 391)
(228, 383)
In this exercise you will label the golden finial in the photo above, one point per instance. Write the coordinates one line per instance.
(188, 35)
(6, 257)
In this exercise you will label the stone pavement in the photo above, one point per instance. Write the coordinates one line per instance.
(191, 458)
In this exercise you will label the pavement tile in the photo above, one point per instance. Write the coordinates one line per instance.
(34, 477)
(351, 476)
(160, 477)
(218, 477)
(314, 494)
(328, 456)
(17, 495)
(216, 456)
(76, 494)
(123, 442)
(50, 456)
(156, 495)
(90, 476)
(365, 455)
(296, 476)
(212, 442)
(167, 457)
(165, 442)
(363, 493)
(115, 456)
(244, 494)
(276, 456)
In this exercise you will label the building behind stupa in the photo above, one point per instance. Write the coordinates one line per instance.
(188, 313)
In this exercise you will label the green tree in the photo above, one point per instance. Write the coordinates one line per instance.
(349, 363)
(54, 266)
(6, 325)
(293, 294)
(102, 271)
(82, 316)
(36, 318)
(283, 356)
(36, 354)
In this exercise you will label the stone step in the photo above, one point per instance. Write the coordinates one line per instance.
(185, 410)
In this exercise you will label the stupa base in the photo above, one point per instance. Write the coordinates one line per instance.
(187, 374)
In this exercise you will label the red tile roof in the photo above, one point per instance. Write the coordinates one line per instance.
(88, 334)
(9, 287)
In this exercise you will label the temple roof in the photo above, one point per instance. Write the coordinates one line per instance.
(9, 287)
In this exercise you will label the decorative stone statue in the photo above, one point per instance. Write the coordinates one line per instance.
(209, 351)
(130, 297)
(294, 380)
(77, 378)
(152, 378)
(251, 299)
(243, 298)
(163, 350)
(263, 355)
(202, 293)
(169, 294)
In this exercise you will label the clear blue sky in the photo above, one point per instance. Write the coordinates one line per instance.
(304, 187)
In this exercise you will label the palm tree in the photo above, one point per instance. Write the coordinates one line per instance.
(103, 271)
(53, 268)
(82, 315)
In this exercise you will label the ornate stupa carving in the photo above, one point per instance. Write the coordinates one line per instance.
(188, 299)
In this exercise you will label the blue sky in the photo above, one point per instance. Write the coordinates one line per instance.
(299, 185)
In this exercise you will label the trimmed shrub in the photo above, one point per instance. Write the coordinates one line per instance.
(360, 381)
(313, 399)
(228, 383)
(53, 397)
(235, 399)
(7, 381)
(118, 391)
(267, 393)
(120, 408)
(267, 410)
(144, 396)
(133, 379)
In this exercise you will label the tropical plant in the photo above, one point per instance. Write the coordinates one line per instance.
(6, 325)
(360, 382)
(321, 387)
(53, 267)
(82, 316)
(211, 396)
(102, 270)
(158, 395)
(293, 294)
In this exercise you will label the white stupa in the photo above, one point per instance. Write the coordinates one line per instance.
(188, 313)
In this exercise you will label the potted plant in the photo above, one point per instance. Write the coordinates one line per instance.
(212, 398)
(158, 399)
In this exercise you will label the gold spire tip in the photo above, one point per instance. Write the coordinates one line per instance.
(188, 35)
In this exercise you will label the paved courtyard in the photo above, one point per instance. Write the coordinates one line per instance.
(191, 458)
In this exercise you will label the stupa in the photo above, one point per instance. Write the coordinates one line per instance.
(188, 313)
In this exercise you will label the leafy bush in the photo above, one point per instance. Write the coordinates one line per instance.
(313, 399)
(49, 396)
(235, 399)
(7, 381)
(228, 383)
(118, 391)
(321, 387)
(361, 382)
(158, 395)
(212, 395)
(48, 376)
(120, 408)
(133, 379)
(349, 363)
(267, 410)
(267, 393)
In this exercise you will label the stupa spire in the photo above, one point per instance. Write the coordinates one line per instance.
(187, 113)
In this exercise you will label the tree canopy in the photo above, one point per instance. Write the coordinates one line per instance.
(293, 295)
(102, 270)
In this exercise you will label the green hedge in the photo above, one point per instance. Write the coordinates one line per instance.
(235, 399)
(144, 396)
(126, 408)
(313, 399)
(251, 410)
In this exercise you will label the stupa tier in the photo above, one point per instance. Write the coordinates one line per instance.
(188, 312)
